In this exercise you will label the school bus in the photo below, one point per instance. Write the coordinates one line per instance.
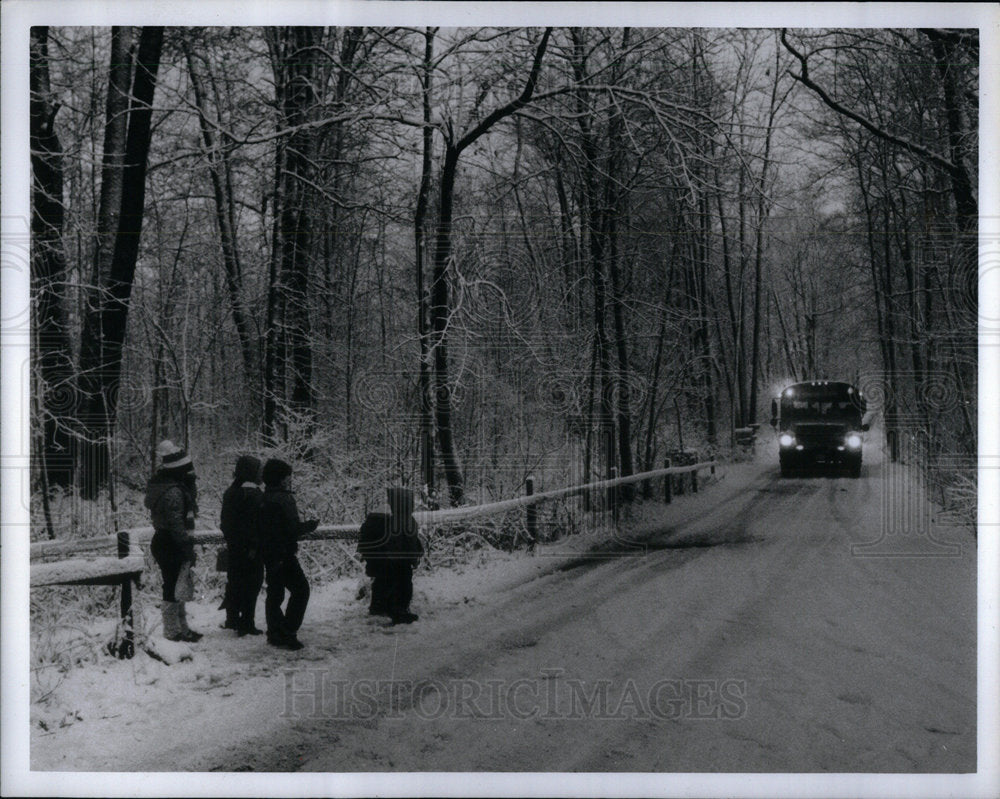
(819, 422)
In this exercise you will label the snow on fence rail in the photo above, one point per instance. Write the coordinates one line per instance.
(423, 517)
(86, 571)
(129, 562)
(326, 532)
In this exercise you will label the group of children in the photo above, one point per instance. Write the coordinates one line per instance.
(262, 529)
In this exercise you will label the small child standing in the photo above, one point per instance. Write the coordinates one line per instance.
(391, 548)
(281, 531)
(240, 525)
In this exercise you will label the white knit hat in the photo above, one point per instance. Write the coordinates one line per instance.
(171, 456)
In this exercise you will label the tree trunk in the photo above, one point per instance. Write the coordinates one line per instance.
(57, 404)
(734, 379)
(274, 333)
(222, 193)
(650, 451)
(883, 308)
(440, 309)
(594, 225)
(296, 214)
(90, 460)
(966, 206)
(613, 212)
(763, 209)
(420, 233)
(741, 347)
(588, 449)
(439, 312)
(121, 227)
(704, 343)
(289, 340)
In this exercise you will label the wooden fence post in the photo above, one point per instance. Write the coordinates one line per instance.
(126, 648)
(694, 481)
(667, 483)
(531, 517)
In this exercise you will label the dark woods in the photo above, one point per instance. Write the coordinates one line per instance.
(458, 257)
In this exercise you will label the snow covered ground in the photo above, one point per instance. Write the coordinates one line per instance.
(804, 619)
(123, 715)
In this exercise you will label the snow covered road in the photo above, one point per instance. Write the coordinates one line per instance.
(745, 633)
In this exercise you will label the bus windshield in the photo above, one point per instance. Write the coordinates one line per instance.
(833, 402)
(819, 408)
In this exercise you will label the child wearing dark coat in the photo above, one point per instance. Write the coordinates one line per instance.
(172, 499)
(281, 531)
(391, 548)
(240, 525)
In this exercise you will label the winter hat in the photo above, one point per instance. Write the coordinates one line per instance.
(401, 500)
(247, 469)
(275, 471)
(173, 457)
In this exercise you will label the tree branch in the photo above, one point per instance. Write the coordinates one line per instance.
(906, 144)
(519, 102)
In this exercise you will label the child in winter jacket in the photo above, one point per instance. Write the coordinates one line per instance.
(281, 531)
(391, 548)
(172, 501)
(240, 523)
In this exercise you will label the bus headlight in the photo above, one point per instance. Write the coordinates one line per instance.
(853, 441)
(786, 439)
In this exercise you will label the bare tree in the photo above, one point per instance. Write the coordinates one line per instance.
(49, 270)
(456, 143)
(426, 399)
(123, 189)
(218, 154)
